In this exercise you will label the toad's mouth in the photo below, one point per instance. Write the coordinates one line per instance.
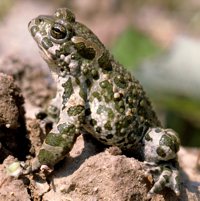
(46, 54)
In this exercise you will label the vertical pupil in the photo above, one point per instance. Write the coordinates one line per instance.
(58, 31)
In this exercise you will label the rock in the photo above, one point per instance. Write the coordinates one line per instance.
(101, 177)
(12, 125)
(114, 151)
(11, 102)
(13, 189)
(38, 187)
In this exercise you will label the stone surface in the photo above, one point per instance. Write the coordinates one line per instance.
(13, 189)
(12, 123)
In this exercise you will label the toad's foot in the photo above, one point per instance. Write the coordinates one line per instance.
(165, 174)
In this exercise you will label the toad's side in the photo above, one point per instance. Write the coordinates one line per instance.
(95, 93)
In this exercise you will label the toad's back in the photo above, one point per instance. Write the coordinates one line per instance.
(118, 112)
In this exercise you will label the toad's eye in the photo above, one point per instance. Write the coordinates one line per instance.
(58, 31)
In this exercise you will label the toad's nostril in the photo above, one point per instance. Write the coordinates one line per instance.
(40, 20)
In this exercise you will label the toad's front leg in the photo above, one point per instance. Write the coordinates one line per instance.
(50, 116)
(160, 156)
(62, 137)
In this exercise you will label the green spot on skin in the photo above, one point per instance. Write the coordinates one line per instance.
(66, 129)
(54, 139)
(134, 92)
(95, 74)
(142, 103)
(167, 169)
(120, 82)
(70, 17)
(166, 178)
(111, 114)
(43, 33)
(97, 95)
(52, 111)
(98, 129)
(147, 137)
(91, 98)
(87, 53)
(88, 83)
(75, 110)
(81, 120)
(177, 185)
(58, 14)
(119, 126)
(157, 189)
(109, 111)
(93, 122)
(104, 62)
(104, 84)
(85, 71)
(34, 30)
(107, 126)
(129, 100)
(82, 94)
(66, 48)
(129, 119)
(76, 57)
(68, 90)
(58, 53)
(46, 43)
(161, 152)
(45, 157)
(175, 144)
(162, 184)
(121, 103)
(107, 91)
(119, 106)
(167, 140)
(77, 81)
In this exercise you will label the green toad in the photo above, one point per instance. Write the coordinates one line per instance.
(96, 94)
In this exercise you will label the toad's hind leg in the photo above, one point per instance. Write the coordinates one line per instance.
(160, 156)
